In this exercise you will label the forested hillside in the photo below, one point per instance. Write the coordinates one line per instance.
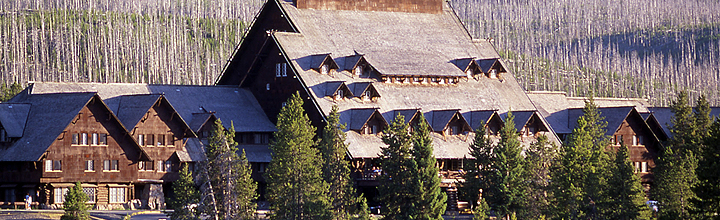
(147, 41)
(636, 48)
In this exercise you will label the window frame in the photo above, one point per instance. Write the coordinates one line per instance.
(89, 166)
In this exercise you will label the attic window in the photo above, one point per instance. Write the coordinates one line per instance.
(339, 95)
(325, 69)
(493, 74)
(359, 70)
(367, 95)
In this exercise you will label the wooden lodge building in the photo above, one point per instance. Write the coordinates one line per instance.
(123, 142)
(374, 59)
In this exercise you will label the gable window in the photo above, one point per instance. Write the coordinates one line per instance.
(89, 166)
(618, 139)
(165, 166)
(75, 139)
(111, 165)
(95, 139)
(359, 70)
(281, 70)
(146, 165)
(160, 139)
(84, 139)
(141, 139)
(150, 139)
(53, 165)
(637, 140)
(116, 195)
(493, 73)
(102, 139)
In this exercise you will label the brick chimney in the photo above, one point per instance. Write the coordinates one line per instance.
(414, 6)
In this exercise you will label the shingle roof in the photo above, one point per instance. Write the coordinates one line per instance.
(407, 114)
(194, 151)
(486, 64)
(664, 117)
(614, 116)
(521, 118)
(333, 86)
(476, 118)
(439, 119)
(199, 119)
(256, 153)
(132, 108)
(13, 117)
(358, 117)
(228, 103)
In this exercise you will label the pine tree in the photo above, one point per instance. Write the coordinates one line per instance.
(477, 169)
(576, 175)
(296, 188)
(432, 201)
(539, 157)
(707, 205)
(336, 170)
(507, 181)
(363, 212)
(626, 198)
(399, 187)
(702, 118)
(74, 205)
(185, 194)
(229, 175)
(676, 165)
(480, 212)
(245, 188)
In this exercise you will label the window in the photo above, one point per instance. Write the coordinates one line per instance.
(146, 166)
(339, 94)
(165, 166)
(89, 166)
(53, 165)
(75, 139)
(618, 139)
(102, 139)
(160, 139)
(261, 138)
(324, 69)
(262, 167)
(367, 95)
(116, 195)
(84, 139)
(141, 139)
(455, 130)
(280, 70)
(111, 165)
(59, 195)
(95, 139)
(359, 70)
(90, 192)
(150, 139)
(641, 167)
(637, 140)
(493, 73)
(267, 87)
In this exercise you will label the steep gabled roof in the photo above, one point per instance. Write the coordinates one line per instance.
(333, 86)
(614, 116)
(487, 64)
(200, 119)
(48, 117)
(521, 118)
(439, 119)
(317, 60)
(228, 102)
(13, 117)
(133, 109)
(408, 114)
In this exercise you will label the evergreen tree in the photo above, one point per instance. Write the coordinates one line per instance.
(708, 172)
(185, 194)
(480, 212)
(539, 158)
(363, 212)
(74, 205)
(676, 165)
(336, 170)
(477, 169)
(702, 118)
(7, 92)
(296, 188)
(576, 176)
(507, 182)
(229, 175)
(399, 186)
(626, 198)
(431, 200)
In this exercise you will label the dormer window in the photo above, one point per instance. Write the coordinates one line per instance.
(448, 122)
(359, 70)
(337, 90)
(469, 73)
(339, 95)
(366, 95)
(325, 69)
(493, 73)
(366, 121)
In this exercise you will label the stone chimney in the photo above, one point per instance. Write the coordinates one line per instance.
(414, 6)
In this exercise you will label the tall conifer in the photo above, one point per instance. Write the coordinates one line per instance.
(626, 198)
(507, 181)
(185, 194)
(707, 205)
(399, 186)
(432, 201)
(477, 169)
(538, 160)
(296, 188)
(336, 169)
(229, 174)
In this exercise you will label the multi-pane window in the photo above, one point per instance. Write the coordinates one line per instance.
(59, 195)
(95, 139)
(146, 166)
(637, 140)
(260, 138)
(111, 165)
(280, 70)
(90, 192)
(641, 167)
(89, 165)
(116, 195)
(53, 165)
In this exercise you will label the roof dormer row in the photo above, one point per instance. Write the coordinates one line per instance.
(445, 122)
(360, 67)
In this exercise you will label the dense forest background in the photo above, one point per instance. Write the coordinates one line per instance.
(614, 48)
